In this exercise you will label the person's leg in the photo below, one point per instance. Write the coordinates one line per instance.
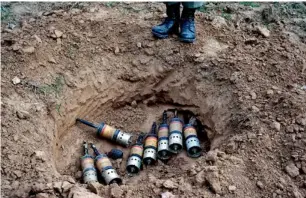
(171, 23)
(188, 33)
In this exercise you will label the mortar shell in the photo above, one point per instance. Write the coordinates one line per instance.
(133, 165)
(115, 135)
(176, 136)
(109, 174)
(88, 169)
(192, 142)
(149, 154)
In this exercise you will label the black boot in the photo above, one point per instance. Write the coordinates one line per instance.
(187, 33)
(170, 24)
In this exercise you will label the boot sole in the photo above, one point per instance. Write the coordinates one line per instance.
(187, 40)
(163, 36)
(160, 36)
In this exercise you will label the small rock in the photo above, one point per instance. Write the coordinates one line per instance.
(231, 147)
(18, 173)
(117, 50)
(260, 185)
(71, 180)
(218, 22)
(282, 181)
(134, 104)
(52, 60)
(292, 170)
(66, 186)
(270, 92)
(253, 95)
(116, 191)
(58, 33)
(212, 156)
(251, 41)
(31, 20)
(53, 36)
(276, 125)
(29, 50)
(232, 188)
(15, 47)
(301, 121)
(58, 41)
(255, 109)
(263, 31)
(40, 155)
(251, 78)
(296, 128)
(296, 193)
(16, 138)
(38, 187)
(22, 114)
(149, 52)
(139, 45)
(279, 192)
(213, 179)
(94, 187)
(16, 80)
(200, 179)
(57, 186)
(280, 186)
(169, 184)
(251, 135)
(289, 129)
(11, 26)
(37, 39)
(167, 195)
(234, 77)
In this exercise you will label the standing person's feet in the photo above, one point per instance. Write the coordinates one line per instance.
(188, 33)
(170, 24)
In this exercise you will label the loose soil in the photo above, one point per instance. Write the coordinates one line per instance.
(244, 79)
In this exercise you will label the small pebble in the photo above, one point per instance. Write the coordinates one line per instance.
(16, 80)
(232, 188)
(260, 185)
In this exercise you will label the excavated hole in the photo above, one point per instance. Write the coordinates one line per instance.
(130, 119)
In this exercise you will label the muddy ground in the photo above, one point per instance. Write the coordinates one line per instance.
(244, 78)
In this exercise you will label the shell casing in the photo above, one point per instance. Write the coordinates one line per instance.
(133, 165)
(192, 141)
(109, 132)
(149, 155)
(163, 131)
(163, 142)
(109, 174)
(151, 141)
(88, 169)
(176, 135)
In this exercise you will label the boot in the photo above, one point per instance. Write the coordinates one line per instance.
(187, 24)
(170, 24)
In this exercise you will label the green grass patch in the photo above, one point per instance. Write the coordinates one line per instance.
(250, 4)
(110, 4)
(6, 13)
(54, 88)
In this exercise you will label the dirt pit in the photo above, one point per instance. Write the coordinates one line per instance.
(135, 118)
